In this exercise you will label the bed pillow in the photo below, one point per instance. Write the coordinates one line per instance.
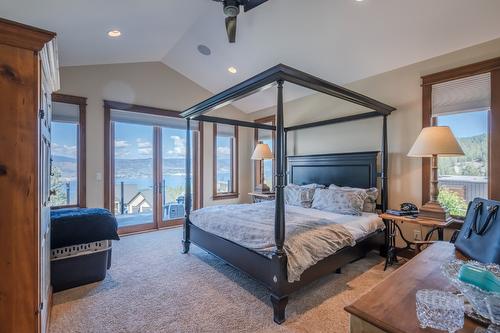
(370, 204)
(339, 201)
(296, 195)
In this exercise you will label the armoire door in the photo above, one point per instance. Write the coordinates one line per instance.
(45, 166)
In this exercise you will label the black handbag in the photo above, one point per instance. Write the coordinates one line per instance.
(479, 238)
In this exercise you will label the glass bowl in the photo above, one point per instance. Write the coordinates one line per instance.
(440, 310)
(484, 303)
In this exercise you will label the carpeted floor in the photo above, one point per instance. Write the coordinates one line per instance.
(152, 287)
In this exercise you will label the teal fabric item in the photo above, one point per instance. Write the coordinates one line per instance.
(479, 277)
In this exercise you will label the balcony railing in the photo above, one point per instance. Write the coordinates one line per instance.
(467, 187)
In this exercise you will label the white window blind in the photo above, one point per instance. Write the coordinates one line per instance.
(472, 93)
(150, 119)
(65, 112)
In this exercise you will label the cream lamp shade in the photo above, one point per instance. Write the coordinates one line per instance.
(262, 152)
(436, 140)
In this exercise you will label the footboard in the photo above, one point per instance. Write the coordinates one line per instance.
(250, 262)
(272, 272)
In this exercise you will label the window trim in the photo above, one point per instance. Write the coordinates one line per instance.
(81, 147)
(235, 193)
(492, 66)
(258, 164)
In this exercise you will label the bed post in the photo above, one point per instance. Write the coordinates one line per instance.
(285, 149)
(385, 153)
(278, 298)
(187, 195)
(279, 216)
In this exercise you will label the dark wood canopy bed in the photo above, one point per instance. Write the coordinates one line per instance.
(348, 169)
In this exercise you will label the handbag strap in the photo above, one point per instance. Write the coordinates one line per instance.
(473, 227)
(492, 211)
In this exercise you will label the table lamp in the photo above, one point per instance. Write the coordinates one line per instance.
(262, 152)
(431, 142)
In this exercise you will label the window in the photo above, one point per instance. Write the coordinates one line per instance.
(267, 137)
(461, 179)
(467, 102)
(225, 161)
(67, 182)
(145, 173)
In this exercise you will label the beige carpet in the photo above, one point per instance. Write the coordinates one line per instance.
(152, 287)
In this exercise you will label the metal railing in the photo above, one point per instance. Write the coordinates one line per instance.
(468, 187)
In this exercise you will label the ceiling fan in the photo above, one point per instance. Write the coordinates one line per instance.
(232, 9)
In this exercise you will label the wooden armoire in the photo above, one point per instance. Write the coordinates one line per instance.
(28, 76)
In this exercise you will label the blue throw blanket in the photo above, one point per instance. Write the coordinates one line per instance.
(72, 226)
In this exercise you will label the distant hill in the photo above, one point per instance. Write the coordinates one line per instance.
(475, 161)
(58, 158)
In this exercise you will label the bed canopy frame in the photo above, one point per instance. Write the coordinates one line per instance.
(254, 263)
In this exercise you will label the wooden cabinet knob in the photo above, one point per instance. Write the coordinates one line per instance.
(3, 170)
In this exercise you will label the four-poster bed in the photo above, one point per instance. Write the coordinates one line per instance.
(351, 169)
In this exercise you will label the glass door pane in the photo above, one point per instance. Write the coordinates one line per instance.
(133, 202)
(173, 173)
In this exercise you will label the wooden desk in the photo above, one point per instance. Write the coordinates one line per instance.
(411, 247)
(390, 305)
(433, 224)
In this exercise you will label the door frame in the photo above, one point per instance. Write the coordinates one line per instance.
(109, 187)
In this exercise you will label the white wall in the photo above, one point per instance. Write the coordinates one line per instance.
(150, 84)
(399, 88)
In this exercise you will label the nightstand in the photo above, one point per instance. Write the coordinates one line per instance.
(264, 196)
(411, 247)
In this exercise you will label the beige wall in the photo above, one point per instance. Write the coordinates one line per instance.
(399, 88)
(155, 84)
(150, 84)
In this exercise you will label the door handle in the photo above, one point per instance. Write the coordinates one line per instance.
(3, 170)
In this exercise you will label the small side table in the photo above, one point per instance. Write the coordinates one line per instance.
(262, 196)
(392, 224)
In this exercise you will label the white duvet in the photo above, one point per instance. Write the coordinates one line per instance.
(310, 234)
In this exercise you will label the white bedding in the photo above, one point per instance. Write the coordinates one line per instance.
(310, 234)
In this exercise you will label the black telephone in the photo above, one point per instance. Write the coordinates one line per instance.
(408, 207)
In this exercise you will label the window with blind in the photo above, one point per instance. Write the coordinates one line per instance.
(463, 105)
(225, 183)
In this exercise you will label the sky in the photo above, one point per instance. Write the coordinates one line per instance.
(466, 124)
(136, 141)
(64, 139)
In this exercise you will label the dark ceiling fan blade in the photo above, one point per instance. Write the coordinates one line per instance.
(231, 29)
(249, 4)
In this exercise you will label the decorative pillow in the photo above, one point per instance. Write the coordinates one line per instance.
(339, 201)
(370, 204)
(298, 196)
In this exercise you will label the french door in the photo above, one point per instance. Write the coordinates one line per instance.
(148, 172)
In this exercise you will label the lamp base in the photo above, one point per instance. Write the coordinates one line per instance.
(262, 188)
(434, 211)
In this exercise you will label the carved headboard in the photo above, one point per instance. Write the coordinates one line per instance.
(346, 169)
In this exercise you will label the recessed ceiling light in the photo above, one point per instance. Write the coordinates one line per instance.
(114, 33)
(359, 0)
(232, 70)
(203, 49)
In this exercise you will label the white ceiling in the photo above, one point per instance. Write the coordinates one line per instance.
(339, 40)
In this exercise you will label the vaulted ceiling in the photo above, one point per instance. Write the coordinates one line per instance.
(339, 40)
